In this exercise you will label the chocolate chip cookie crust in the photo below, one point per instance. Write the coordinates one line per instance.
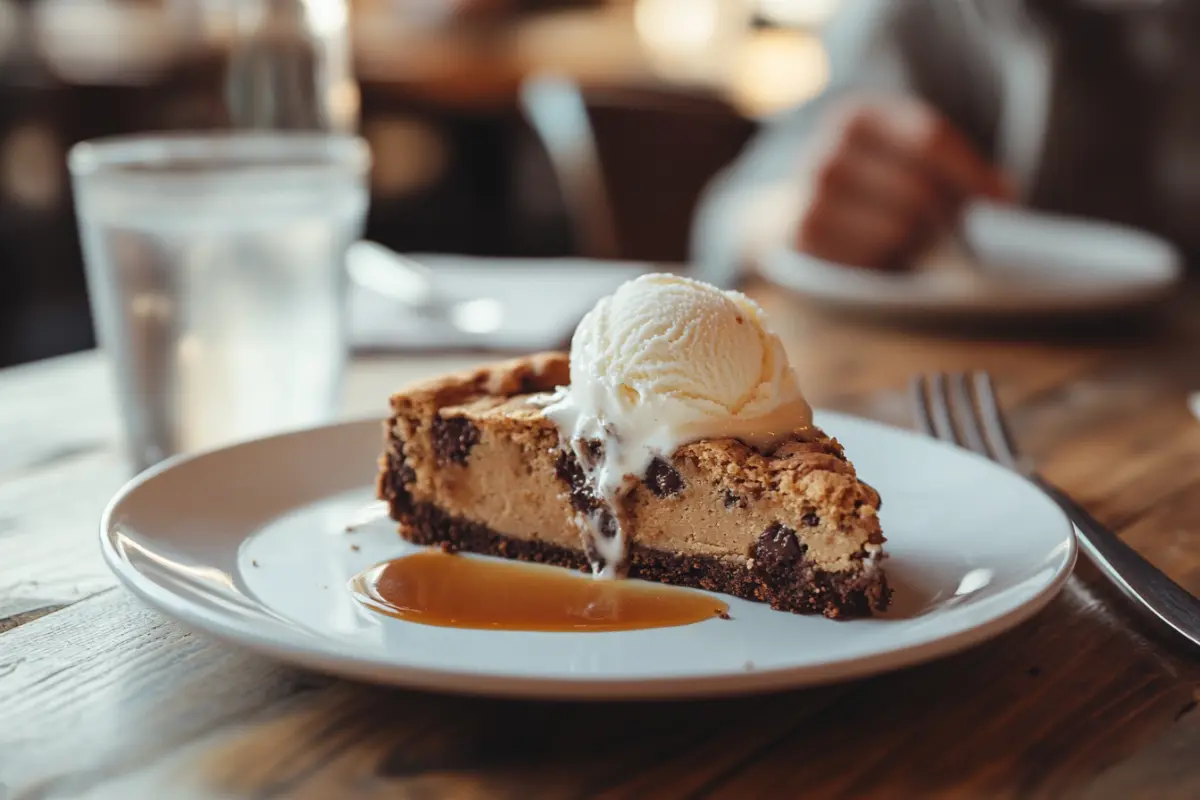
(471, 463)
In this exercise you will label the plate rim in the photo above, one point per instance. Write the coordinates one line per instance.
(295, 650)
(773, 267)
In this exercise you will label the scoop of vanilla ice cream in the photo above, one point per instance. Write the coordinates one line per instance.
(666, 361)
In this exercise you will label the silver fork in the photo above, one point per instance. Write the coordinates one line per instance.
(963, 410)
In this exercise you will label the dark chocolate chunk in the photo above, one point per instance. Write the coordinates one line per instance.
(606, 523)
(530, 383)
(663, 479)
(567, 468)
(405, 474)
(398, 476)
(732, 500)
(401, 475)
(453, 439)
(593, 451)
(811, 520)
(777, 549)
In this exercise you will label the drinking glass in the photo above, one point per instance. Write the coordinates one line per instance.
(216, 277)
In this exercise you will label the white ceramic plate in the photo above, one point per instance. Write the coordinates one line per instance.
(1027, 265)
(250, 544)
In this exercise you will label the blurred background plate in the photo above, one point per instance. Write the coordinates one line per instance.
(498, 304)
(1010, 265)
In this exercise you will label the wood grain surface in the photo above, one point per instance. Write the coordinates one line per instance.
(100, 697)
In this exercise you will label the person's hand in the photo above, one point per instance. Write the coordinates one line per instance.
(889, 175)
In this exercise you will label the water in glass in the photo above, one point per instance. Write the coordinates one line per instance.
(220, 307)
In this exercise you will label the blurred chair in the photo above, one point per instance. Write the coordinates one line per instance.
(631, 163)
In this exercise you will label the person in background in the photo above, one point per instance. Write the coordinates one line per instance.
(1083, 107)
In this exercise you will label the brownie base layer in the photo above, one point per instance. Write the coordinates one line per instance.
(806, 591)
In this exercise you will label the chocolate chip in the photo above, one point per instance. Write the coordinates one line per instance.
(405, 474)
(594, 451)
(777, 548)
(453, 439)
(811, 520)
(530, 383)
(732, 500)
(400, 475)
(663, 479)
(567, 468)
(606, 523)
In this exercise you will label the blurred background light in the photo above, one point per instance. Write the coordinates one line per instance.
(797, 13)
(777, 70)
(677, 27)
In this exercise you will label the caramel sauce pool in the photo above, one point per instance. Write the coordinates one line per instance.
(434, 588)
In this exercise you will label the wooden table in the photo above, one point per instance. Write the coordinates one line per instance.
(101, 697)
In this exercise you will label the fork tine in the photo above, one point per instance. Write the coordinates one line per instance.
(994, 426)
(939, 406)
(967, 415)
(920, 403)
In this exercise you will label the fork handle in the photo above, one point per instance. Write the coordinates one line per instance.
(1140, 580)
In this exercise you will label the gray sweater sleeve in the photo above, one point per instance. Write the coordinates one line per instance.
(934, 49)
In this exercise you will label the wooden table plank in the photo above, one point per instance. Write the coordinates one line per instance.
(106, 685)
(49, 539)
(388, 743)
(1171, 759)
(54, 410)
(992, 721)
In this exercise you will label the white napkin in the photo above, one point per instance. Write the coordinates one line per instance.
(540, 301)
